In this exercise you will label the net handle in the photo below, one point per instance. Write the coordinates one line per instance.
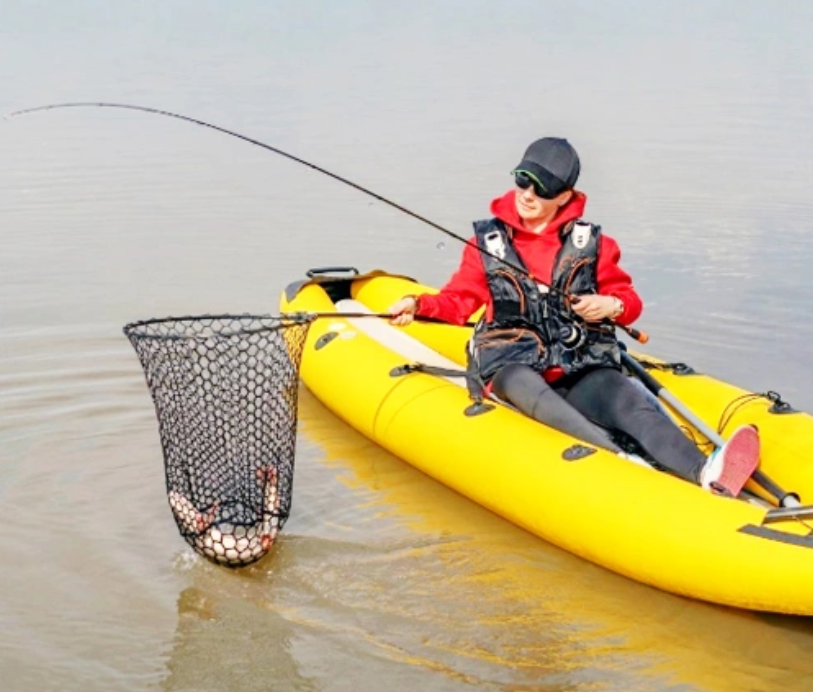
(292, 318)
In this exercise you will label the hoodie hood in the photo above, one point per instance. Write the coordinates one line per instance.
(505, 209)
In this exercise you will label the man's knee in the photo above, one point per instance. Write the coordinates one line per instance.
(515, 379)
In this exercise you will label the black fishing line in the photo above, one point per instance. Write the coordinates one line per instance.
(251, 140)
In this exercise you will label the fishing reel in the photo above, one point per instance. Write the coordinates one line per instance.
(572, 335)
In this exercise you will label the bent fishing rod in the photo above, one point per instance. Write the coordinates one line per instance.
(639, 336)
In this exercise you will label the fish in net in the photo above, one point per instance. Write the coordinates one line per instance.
(225, 392)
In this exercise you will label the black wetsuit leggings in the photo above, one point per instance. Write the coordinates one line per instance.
(605, 397)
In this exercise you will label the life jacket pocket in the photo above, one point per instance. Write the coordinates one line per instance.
(495, 348)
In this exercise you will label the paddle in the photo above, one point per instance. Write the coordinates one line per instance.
(785, 499)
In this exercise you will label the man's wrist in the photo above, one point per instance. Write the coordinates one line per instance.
(618, 307)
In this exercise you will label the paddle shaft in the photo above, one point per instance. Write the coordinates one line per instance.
(639, 336)
(785, 499)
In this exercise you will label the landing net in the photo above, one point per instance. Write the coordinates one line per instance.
(225, 392)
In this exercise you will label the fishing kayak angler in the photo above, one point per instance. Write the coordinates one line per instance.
(552, 285)
(582, 381)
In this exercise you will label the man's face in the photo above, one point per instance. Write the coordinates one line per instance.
(531, 207)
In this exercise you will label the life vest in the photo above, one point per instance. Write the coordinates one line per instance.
(532, 324)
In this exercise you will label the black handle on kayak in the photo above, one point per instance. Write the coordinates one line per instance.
(311, 273)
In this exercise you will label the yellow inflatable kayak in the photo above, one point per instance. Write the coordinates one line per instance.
(620, 514)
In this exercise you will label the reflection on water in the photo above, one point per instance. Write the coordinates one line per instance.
(529, 613)
(692, 122)
(391, 577)
(228, 640)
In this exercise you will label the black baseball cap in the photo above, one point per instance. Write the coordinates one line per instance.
(553, 162)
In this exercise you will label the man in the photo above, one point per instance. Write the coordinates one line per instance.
(552, 287)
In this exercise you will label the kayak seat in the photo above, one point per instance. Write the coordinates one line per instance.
(397, 340)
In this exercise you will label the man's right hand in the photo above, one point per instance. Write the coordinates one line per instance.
(403, 311)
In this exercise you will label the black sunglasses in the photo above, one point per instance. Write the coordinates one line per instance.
(525, 180)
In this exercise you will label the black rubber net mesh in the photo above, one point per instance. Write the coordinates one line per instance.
(225, 392)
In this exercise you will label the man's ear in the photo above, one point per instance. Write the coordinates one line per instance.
(564, 197)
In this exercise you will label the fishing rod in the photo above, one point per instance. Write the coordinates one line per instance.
(639, 336)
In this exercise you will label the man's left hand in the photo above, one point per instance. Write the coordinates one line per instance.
(595, 307)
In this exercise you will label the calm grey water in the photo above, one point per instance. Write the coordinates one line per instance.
(693, 123)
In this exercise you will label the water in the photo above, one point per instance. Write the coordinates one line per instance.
(692, 121)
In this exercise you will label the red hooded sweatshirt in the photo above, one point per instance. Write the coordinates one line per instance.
(467, 290)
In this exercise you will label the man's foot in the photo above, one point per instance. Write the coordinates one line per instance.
(728, 468)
